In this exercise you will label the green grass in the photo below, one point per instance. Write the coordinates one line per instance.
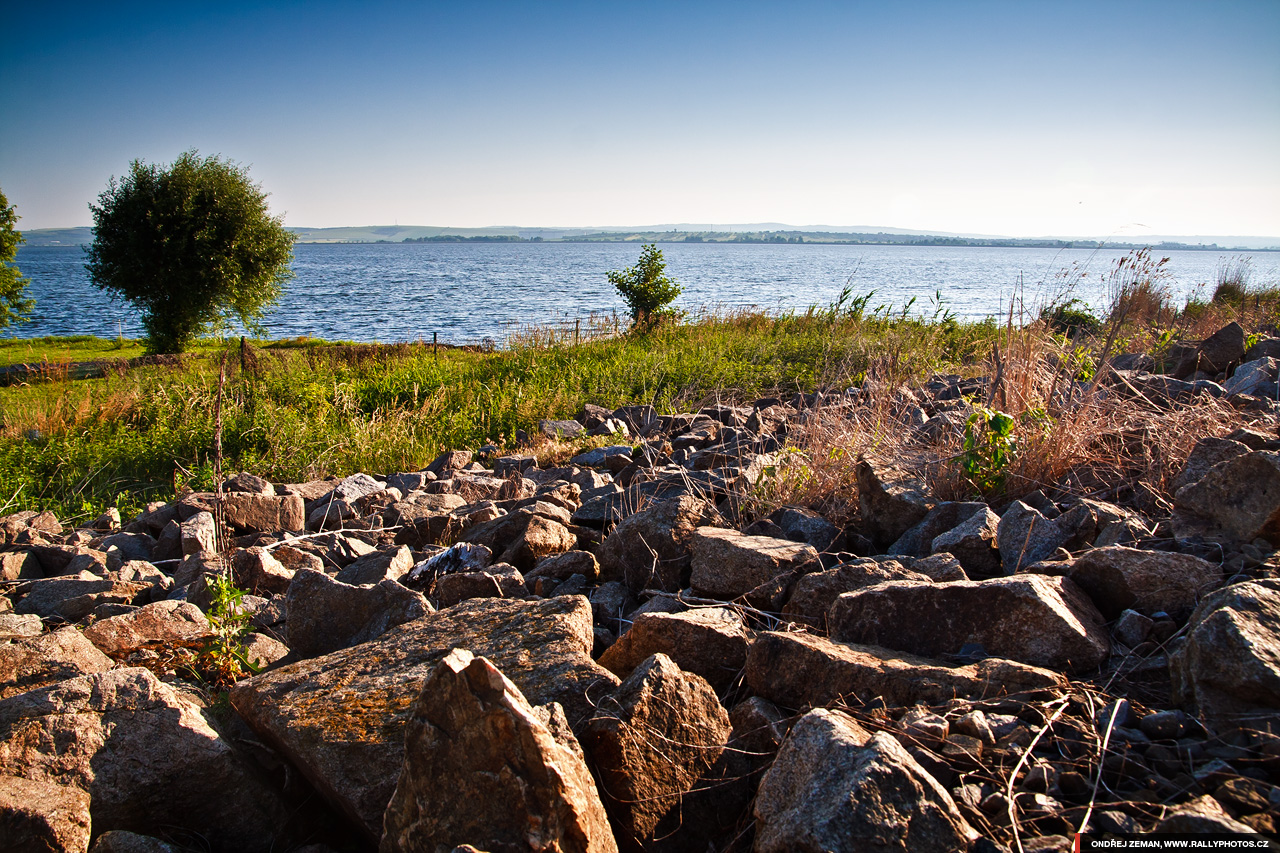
(308, 410)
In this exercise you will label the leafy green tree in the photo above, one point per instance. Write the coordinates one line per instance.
(191, 245)
(646, 287)
(14, 304)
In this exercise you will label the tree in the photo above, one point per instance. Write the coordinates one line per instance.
(646, 287)
(14, 304)
(191, 245)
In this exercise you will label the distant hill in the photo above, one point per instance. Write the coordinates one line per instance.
(767, 232)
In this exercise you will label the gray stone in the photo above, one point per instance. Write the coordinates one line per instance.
(325, 615)
(1238, 499)
(501, 580)
(918, 541)
(1206, 453)
(389, 564)
(123, 841)
(561, 429)
(200, 534)
(973, 543)
(708, 641)
(653, 547)
(890, 502)
(34, 662)
(1119, 578)
(1036, 619)
(481, 766)
(257, 570)
(38, 816)
(14, 626)
(727, 564)
(1256, 378)
(815, 592)
(73, 598)
(164, 625)
(835, 787)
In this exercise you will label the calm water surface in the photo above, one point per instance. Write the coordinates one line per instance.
(469, 292)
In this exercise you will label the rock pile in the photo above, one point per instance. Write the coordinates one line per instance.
(604, 655)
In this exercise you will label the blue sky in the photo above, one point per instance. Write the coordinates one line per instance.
(1017, 118)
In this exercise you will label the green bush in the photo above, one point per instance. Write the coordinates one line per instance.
(14, 304)
(646, 287)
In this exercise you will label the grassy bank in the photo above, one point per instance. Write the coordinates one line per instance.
(297, 410)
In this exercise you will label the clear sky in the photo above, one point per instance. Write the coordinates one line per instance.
(1016, 118)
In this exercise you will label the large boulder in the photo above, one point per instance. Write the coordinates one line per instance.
(483, 767)
(1227, 666)
(708, 641)
(74, 597)
(259, 571)
(651, 741)
(918, 541)
(728, 564)
(146, 755)
(1216, 354)
(33, 662)
(1119, 579)
(800, 670)
(162, 625)
(973, 543)
(1024, 536)
(836, 788)
(652, 548)
(1036, 619)
(341, 718)
(889, 502)
(390, 564)
(324, 615)
(1238, 499)
(813, 593)
(38, 816)
(1206, 453)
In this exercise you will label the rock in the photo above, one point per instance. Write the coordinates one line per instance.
(940, 567)
(890, 503)
(449, 461)
(504, 466)
(1132, 628)
(803, 525)
(652, 548)
(14, 626)
(421, 505)
(1024, 536)
(651, 741)
(391, 564)
(1216, 354)
(614, 457)
(918, 541)
(162, 625)
(249, 484)
(123, 841)
(1206, 453)
(33, 662)
(200, 534)
(257, 570)
(1036, 619)
(541, 538)
(801, 670)
(121, 548)
(340, 719)
(815, 592)
(410, 481)
(146, 756)
(834, 787)
(1119, 578)
(710, 642)
(1256, 378)
(563, 566)
(727, 564)
(461, 557)
(1238, 499)
(262, 651)
(481, 766)
(324, 615)
(501, 580)
(1227, 666)
(1201, 816)
(561, 429)
(38, 816)
(73, 598)
(973, 544)
(20, 565)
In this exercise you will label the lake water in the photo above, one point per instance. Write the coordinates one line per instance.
(466, 292)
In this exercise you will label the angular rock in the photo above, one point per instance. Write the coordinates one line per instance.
(73, 598)
(250, 484)
(973, 543)
(501, 580)
(1119, 578)
(324, 615)
(449, 461)
(563, 566)
(815, 592)
(1238, 499)
(162, 625)
(482, 767)
(541, 538)
(200, 534)
(262, 651)
(40, 816)
(801, 670)
(1035, 619)
(1216, 354)
(918, 541)
(145, 754)
(1256, 378)
(1202, 815)
(421, 505)
(340, 719)
(20, 565)
(652, 548)
(709, 641)
(890, 503)
(940, 567)
(123, 841)
(803, 525)
(727, 564)
(1228, 664)
(1024, 536)
(14, 626)
(391, 564)
(561, 429)
(651, 741)
(1206, 453)
(34, 662)
(257, 570)
(834, 787)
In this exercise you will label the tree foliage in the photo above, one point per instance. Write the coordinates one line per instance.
(192, 245)
(14, 303)
(646, 287)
